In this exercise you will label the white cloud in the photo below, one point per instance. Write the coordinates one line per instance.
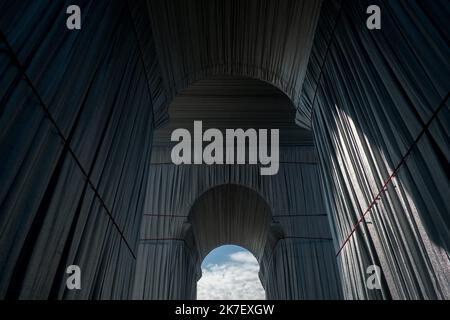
(244, 257)
(236, 279)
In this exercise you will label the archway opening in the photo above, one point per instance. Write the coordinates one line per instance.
(230, 272)
(236, 215)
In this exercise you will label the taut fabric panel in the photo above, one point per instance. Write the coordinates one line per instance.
(380, 115)
(76, 122)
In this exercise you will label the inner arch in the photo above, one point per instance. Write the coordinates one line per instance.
(227, 102)
(230, 214)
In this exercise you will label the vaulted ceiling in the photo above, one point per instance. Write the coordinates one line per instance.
(234, 102)
(262, 39)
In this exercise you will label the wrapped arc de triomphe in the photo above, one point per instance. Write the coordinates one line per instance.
(363, 180)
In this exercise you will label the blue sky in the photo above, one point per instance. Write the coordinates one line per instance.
(221, 255)
(230, 273)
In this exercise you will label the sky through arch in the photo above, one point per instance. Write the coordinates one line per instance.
(230, 272)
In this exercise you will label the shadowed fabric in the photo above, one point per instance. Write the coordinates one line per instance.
(76, 125)
(223, 102)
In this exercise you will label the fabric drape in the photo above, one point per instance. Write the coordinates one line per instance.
(377, 102)
(76, 123)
